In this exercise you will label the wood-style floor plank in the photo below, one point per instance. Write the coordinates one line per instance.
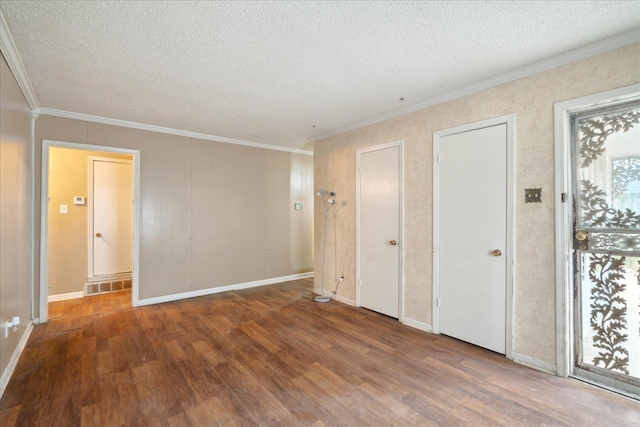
(268, 356)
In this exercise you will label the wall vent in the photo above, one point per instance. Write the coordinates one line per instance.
(97, 288)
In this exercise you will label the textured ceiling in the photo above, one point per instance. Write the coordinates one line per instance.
(282, 72)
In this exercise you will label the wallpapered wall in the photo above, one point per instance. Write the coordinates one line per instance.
(532, 100)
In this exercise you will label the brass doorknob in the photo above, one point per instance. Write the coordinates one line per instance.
(582, 235)
(496, 252)
(98, 234)
(393, 243)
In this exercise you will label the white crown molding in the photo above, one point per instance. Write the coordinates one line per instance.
(10, 53)
(597, 48)
(160, 129)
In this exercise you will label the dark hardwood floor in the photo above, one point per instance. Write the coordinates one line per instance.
(267, 356)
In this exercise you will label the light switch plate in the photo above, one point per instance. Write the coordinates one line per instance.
(298, 206)
(533, 195)
(79, 200)
(64, 209)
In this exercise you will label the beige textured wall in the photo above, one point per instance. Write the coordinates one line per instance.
(205, 213)
(15, 211)
(532, 100)
(68, 248)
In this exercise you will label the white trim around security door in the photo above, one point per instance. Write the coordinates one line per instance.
(563, 210)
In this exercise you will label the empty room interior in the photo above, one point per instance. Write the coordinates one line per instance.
(319, 213)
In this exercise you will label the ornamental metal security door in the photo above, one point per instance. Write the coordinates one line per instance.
(606, 246)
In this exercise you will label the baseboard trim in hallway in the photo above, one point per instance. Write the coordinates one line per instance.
(219, 289)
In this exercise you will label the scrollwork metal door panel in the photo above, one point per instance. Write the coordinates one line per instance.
(607, 245)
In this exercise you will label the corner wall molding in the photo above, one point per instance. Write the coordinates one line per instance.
(578, 54)
(13, 362)
(219, 289)
(170, 131)
(10, 53)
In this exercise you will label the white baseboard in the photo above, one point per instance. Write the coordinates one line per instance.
(534, 363)
(344, 300)
(109, 277)
(62, 297)
(337, 297)
(8, 372)
(217, 290)
(417, 324)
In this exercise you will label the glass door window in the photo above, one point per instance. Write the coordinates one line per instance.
(606, 246)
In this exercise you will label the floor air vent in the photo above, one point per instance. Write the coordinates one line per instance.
(106, 287)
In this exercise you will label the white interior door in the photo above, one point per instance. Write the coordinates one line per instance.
(379, 219)
(112, 225)
(472, 236)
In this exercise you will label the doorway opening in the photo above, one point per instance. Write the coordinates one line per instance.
(599, 240)
(84, 187)
(110, 223)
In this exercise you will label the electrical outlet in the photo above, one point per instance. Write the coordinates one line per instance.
(12, 323)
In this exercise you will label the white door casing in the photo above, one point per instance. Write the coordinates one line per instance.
(473, 217)
(110, 217)
(379, 211)
(564, 193)
(44, 223)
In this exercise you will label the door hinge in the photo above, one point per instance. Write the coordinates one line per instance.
(439, 158)
(563, 197)
(438, 302)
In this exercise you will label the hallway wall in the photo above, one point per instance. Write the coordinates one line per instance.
(208, 208)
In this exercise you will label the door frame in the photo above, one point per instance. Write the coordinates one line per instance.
(44, 217)
(510, 121)
(91, 277)
(563, 211)
(359, 153)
